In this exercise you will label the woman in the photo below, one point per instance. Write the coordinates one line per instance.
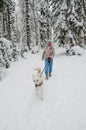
(48, 55)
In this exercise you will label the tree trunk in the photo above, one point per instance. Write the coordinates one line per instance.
(1, 24)
(9, 30)
(28, 24)
(80, 29)
(35, 22)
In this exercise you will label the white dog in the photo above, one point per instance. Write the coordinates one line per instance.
(38, 82)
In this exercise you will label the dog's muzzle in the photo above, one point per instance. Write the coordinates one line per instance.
(36, 85)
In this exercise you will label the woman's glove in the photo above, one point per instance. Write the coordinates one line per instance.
(49, 59)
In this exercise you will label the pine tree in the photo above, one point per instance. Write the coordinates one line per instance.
(67, 26)
(45, 21)
(59, 21)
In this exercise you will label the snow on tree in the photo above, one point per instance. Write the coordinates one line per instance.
(7, 20)
(36, 19)
(45, 21)
(5, 52)
(67, 20)
(7, 32)
(59, 21)
(8, 52)
(12, 23)
(27, 15)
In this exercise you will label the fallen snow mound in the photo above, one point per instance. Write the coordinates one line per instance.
(35, 49)
(76, 50)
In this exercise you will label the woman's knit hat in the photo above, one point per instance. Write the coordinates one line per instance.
(48, 41)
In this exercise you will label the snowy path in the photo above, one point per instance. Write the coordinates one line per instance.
(64, 105)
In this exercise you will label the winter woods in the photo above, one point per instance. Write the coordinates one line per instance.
(69, 22)
(66, 18)
(28, 23)
(8, 37)
(35, 21)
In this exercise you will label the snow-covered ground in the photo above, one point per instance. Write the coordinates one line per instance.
(64, 105)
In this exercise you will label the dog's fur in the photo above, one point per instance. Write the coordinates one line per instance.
(38, 82)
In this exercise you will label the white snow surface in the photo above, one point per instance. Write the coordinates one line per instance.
(64, 104)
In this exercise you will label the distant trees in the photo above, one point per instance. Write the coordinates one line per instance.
(35, 21)
(67, 20)
(44, 21)
(7, 20)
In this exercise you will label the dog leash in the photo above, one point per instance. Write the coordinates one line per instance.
(42, 71)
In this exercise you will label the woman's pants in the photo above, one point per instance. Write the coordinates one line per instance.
(48, 66)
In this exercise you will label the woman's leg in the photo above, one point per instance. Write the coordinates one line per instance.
(46, 66)
(50, 67)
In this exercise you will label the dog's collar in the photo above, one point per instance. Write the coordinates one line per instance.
(38, 85)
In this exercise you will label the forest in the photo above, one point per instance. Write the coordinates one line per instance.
(25, 24)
